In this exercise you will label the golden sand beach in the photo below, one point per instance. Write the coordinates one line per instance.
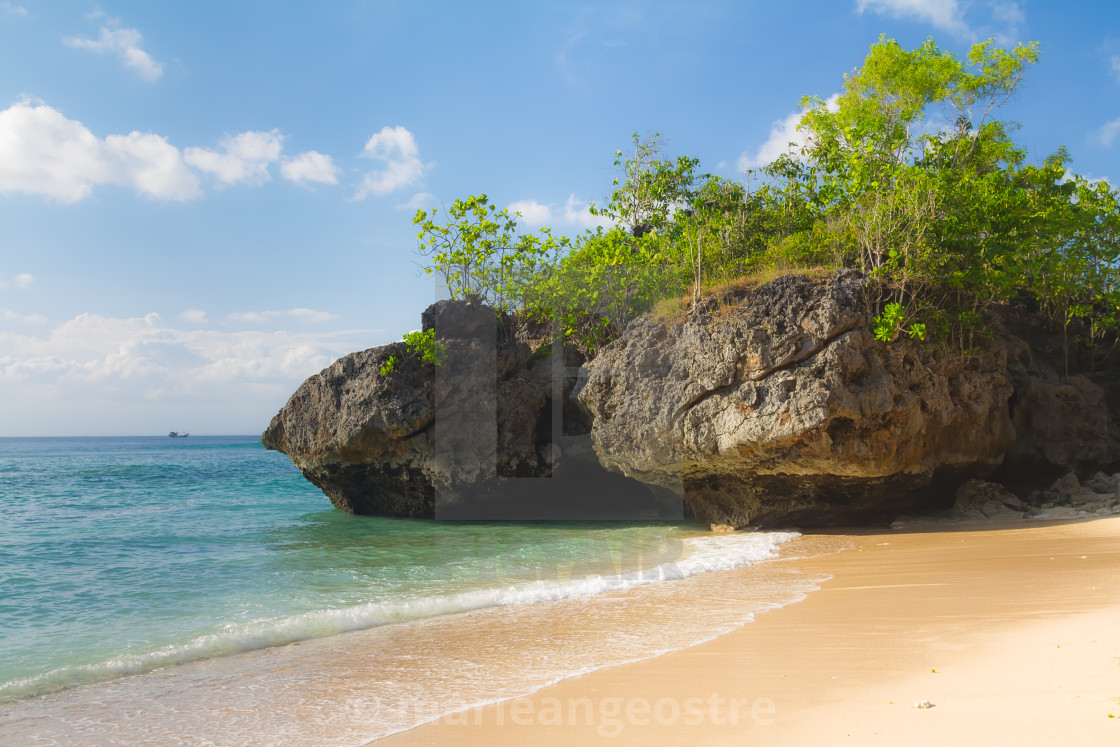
(1007, 634)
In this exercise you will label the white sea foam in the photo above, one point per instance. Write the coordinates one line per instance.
(351, 688)
(701, 554)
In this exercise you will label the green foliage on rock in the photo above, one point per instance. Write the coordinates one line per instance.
(479, 251)
(423, 345)
(906, 175)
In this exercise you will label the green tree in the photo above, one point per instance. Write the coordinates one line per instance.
(870, 145)
(480, 251)
(898, 181)
(906, 175)
(648, 188)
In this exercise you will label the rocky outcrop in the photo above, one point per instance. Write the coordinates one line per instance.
(367, 438)
(1060, 422)
(783, 409)
(488, 433)
(979, 499)
(775, 406)
(1100, 495)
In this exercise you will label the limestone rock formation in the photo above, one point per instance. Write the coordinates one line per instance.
(784, 409)
(979, 499)
(1062, 422)
(774, 406)
(489, 433)
(368, 439)
(1100, 495)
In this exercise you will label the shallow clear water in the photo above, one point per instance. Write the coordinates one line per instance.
(160, 557)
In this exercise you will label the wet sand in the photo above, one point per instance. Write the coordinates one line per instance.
(1010, 632)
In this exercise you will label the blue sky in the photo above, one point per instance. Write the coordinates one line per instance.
(202, 204)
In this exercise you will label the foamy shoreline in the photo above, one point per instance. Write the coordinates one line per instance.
(1011, 633)
(348, 688)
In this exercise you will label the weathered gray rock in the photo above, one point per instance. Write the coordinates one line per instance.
(1101, 482)
(788, 411)
(1065, 490)
(979, 499)
(774, 407)
(370, 441)
(1061, 422)
(1097, 496)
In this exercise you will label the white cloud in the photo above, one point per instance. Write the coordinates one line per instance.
(311, 166)
(1108, 132)
(24, 279)
(309, 315)
(419, 201)
(942, 14)
(15, 10)
(11, 316)
(532, 212)
(152, 166)
(1089, 178)
(42, 152)
(949, 16)
(403, 168)
(149, 354)
(576, 214)
(1009, 13)
(1011, 17)
(123, 42)
(244, 158)
(784, 138)
(573, 214)
(197, 316)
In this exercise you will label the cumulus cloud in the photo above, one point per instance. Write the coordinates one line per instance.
(24, 279)
(949, 15)
(1108, 132)
(309, 315)
(531, 212)
(784, 138)
(942, 14)
(419, 201)
(88, 347)
(243, 158)
(150, 354)
(311, 166)
(573, 213)
(1009, 13)
(42, 152)
(396, 148)
(198, 316)
(11, 316)
(1070, 176)
(124, 43)
(15, 10)
(576, 214)
(45, 153)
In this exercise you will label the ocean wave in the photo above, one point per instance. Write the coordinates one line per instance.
(701, 554)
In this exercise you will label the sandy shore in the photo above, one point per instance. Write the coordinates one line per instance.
(1011, 633)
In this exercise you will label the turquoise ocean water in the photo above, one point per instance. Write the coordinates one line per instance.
(202, 590)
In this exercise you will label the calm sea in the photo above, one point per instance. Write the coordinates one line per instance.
(200, 591)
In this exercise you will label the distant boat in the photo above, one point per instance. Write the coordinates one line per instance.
(177, 434)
